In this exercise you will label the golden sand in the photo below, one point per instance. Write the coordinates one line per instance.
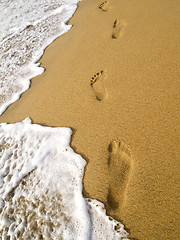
(114, 75)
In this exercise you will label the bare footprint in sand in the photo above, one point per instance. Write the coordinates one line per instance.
(120, 164)
(118, 27)
(104, 6)
(98, 86)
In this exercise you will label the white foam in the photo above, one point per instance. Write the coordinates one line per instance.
(41, 188)
(26, 29)
(103, 226)
(43, 157)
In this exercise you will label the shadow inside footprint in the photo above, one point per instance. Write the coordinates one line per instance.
(98, 86)
(118, 27)
(112, 201)
(104, 6)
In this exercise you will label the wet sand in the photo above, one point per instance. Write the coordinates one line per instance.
(114, 80)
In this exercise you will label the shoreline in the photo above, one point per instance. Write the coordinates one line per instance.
(139, 106)
(21, 81)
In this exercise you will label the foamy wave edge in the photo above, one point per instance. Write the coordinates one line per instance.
(41, 187)
(34, 66)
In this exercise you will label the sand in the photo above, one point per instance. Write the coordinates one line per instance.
(113, 79)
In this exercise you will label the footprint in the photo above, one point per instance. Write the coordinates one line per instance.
(120, 164)
(118, 27)
(98, 87)
(104, 6)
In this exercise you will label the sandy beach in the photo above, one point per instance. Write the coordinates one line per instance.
(114, 80)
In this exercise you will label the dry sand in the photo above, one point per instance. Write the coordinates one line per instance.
(126, 55)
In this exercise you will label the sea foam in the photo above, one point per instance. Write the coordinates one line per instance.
(26, 29)
(41, 188)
